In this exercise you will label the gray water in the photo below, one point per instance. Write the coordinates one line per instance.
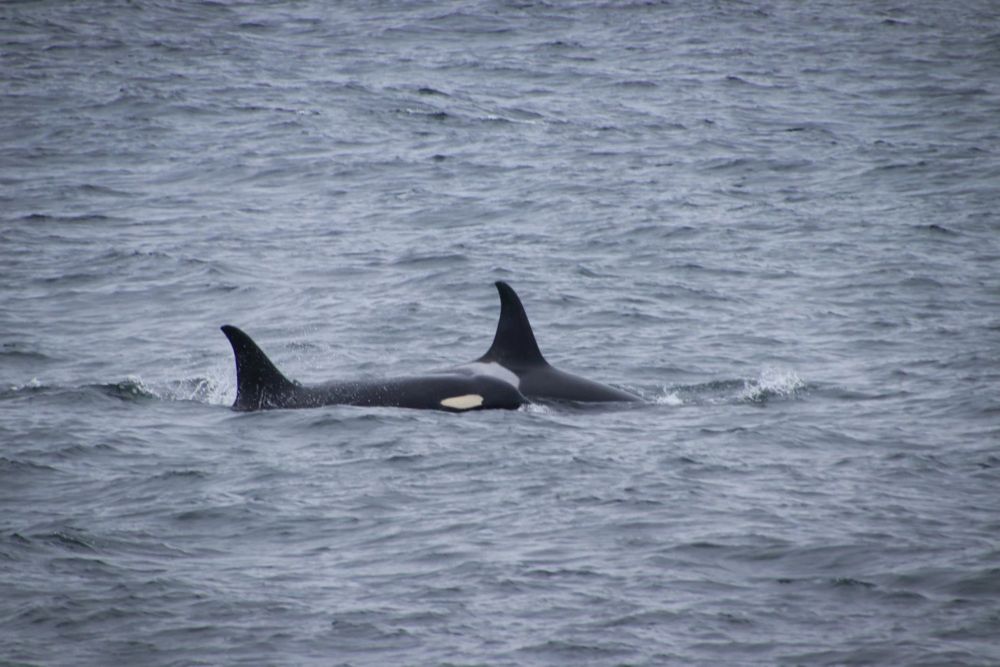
(777, 221)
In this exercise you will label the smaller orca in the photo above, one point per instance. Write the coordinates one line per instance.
(261, 386)
(515, 358)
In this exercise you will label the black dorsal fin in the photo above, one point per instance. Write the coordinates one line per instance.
(514, 343)
(259, 384)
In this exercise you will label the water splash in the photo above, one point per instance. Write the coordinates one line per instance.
(31, 384)
(771, 383)
(211, 390)
(132, 388)
(671, 398)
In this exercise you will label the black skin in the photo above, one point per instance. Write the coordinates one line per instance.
(514, 348)
(261, 386)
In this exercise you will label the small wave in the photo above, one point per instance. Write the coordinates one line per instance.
(769, 384)
(129, 389)
(18, 351)
(17, 468)
(637, 84)
(71, 219)
(427, 90)
(431, 259)
(29, 387)
(213, 391)
(851, 582)
(939, 229)
(435, 114)
(186, 474)
(713, 392)
(68, 539)
(578, 651)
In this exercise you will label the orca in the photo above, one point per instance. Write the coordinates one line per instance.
(261, 386)
(514, 357)
(511, 373)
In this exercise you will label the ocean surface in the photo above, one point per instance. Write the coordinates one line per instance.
(777, 221)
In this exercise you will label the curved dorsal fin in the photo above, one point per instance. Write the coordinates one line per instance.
(259, 384)
(514, 343)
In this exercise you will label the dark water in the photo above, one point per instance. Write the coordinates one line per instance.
(777, 221)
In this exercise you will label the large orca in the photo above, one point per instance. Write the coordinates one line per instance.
(261, 386)
(515, 358)
(512, 372)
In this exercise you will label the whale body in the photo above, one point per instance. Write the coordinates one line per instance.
(261, 386)
(510, 374)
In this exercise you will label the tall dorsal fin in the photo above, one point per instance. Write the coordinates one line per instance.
(259, 384)
(514, 343)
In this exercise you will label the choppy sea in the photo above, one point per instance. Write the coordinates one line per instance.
(777, 221)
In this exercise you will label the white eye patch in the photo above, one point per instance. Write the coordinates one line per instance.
(464, 402)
